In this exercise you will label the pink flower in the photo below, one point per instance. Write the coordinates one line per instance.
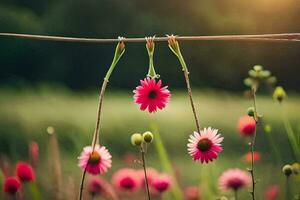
(234, 179)
(206, 145)
(151, 175)
(192, 193)
(34, 153)
(161, 183)
(95, 162)
(25, 172)
(272, 192)
(246, 126)
(96, 186)
(126, 179)
(256, 156)
(11, 185)
(151, 95)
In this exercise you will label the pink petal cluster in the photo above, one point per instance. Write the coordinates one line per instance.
(95, 162)
(161, 182)
(272, 192)
(192, 193)
(96, 186)
(151, 95)
(11, 185)
(246, 126)
(206, 145)
(25, 172)
(126, 179)
(234, 179)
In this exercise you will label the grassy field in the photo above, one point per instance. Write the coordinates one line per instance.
(26, 114)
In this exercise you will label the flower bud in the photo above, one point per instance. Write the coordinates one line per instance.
(148, 137)
(258, 68)
(136, 139)
(287, 170)
(268, 128)
(296, 168)
(251, 111)
(279, 94)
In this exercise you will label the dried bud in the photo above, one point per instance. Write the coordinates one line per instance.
(136, 139)
(148, 137)
(279, 94)
(287, 170)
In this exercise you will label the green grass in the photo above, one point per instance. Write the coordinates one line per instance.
(26, 114)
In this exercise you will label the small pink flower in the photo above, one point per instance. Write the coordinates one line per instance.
(192, 193)
(246, 126)
(126, 179)
(25, 172)
(34, 153)
(95, 162)
(151, 175)
(96, 186)
(272, 192)
(150, 95)
(256, 156)
(234, 179)
(11, 185)
(206, 145)
(162, 182)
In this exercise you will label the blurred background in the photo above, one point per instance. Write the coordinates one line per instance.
(56, 84)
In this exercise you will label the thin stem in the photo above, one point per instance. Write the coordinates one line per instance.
(253, 144)
(284, 37)
(145, 172)
(287, 187)
(82, 184)
(235, 194)
(187, 80)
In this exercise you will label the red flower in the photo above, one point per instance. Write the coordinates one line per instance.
(256, 156)
(162, 182)
(192, 193)
(246, 126)
(11, 185)
(272, 192)
(150, 95)
(25, 172)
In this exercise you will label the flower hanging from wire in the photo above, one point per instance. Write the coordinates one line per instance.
(206, 145)
(95, 162)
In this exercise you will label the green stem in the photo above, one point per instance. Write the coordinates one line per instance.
(291, 135)
(235, 194)
(288, 189)
(145, 172)
(150, 50)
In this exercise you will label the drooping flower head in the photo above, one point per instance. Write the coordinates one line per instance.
(11, 185)
(192, 193)
(126, 179)
(272, 192)
(162, 183)
(206, 145)
(25, 172)
(246, 126)
(96, 186)
(95, 162)
(151, 95)
(248, 156)
(234, 179)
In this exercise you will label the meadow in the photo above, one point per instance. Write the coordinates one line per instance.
(26, 114)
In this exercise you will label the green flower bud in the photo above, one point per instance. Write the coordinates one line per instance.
(253, 73)
(287, 170)
(136, 139)
(272, 80)
(258, 68)
(248, 82)
(265, 74)
(148, 137)
(268, 128)
(279, 94)
(251, 111)
(296, 168)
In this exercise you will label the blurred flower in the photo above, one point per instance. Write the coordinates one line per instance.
(248, 157)
(95, 162)
(96, 186)
(296, 168)
(272, 192)
(150, 95)
(246, 126)
(279, 94)
(287, 170)
(205, 146)
(268, 128)
(34, 153)
(234, 179)
(192, 193)
(136, 139)
(25, 172)
(161, 183)
(128, 158)
(151, 175)
(11, 185)
(126, 179)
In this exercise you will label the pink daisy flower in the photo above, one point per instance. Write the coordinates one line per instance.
(95, 162)
(234, 179)
(206, 145)
(161, 183)
(150, 95)
(96, 186)
(126, 179)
